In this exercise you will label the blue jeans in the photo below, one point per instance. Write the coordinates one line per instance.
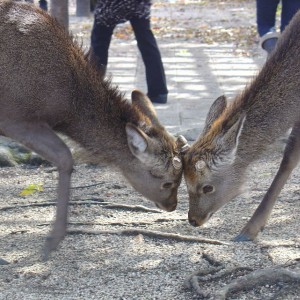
(266, 14)
(155, 74)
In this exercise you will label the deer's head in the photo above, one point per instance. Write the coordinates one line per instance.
(210, 164)
(157, 169)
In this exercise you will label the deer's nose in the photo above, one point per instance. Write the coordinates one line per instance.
(169, 207)
(197, 221)
(172, 207)
(193, 222)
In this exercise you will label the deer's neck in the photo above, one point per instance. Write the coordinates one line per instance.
(98, 125)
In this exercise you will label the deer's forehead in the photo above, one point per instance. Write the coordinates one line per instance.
(198, 160)
(196, 172)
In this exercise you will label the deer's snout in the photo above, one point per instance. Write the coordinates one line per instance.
(167, 207)
(193, 222)
(198, 221)
(170, 203)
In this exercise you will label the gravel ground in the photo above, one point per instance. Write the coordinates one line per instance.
(120, 247)
(104, 258)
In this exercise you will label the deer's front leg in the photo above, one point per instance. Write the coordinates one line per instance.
(59, 228)
(289, 161)
(40, 138)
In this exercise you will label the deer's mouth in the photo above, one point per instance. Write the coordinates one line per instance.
(196, 221)
(168, 208)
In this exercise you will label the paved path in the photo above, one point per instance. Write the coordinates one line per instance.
(196, 76)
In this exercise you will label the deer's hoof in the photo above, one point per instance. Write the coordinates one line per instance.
(242, 237)
(50, 245)
(3, 262)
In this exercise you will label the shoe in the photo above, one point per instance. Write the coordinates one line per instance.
(161, 98)
(269, 41)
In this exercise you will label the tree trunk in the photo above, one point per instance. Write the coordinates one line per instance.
(60, 11)
(83, 8)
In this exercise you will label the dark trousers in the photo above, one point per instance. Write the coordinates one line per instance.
(155, 75)
(43, 4)
(266, 14)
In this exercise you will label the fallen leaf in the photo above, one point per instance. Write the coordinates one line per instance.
(32, 188)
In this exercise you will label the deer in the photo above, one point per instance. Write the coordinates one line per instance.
(237, 132)
(48, 88)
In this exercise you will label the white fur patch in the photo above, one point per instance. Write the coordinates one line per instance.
(24, 21)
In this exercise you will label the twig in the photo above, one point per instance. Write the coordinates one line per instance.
(224, 273)
(162, 220)
(245, 282)
(208, 275)
(100, 224)
(77, 187)
(50, 203)
(150, 233)
(108, 205)
(193, 282)
(44, 204)
(211, 260)
(255, 278)
(290, 244)
(131, 207)
(195, 285)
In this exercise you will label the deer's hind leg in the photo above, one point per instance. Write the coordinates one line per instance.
(289, 161)
(40, 138)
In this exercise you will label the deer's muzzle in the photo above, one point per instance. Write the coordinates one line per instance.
(197, 221)
(169, 207)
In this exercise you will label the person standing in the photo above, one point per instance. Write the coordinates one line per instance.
(266, 20)
(108, 14)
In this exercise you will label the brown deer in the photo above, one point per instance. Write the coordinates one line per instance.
(237, 134)
(47, 87)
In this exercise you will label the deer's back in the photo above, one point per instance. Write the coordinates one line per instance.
(39, 65)
(272, 100)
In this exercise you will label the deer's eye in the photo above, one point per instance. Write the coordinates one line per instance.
(208, 189)
(167, 185)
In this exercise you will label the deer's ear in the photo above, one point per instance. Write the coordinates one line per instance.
(144, 104)
(214, 112)
(137, 140)
(229, 140)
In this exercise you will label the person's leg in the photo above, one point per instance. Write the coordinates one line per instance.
(155, 74)
(43, 4)
(100, 41)
(266, 19)
(289, 8)
(266, 15)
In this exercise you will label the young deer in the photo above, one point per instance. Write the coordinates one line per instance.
(236, 134)
(47, 86)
